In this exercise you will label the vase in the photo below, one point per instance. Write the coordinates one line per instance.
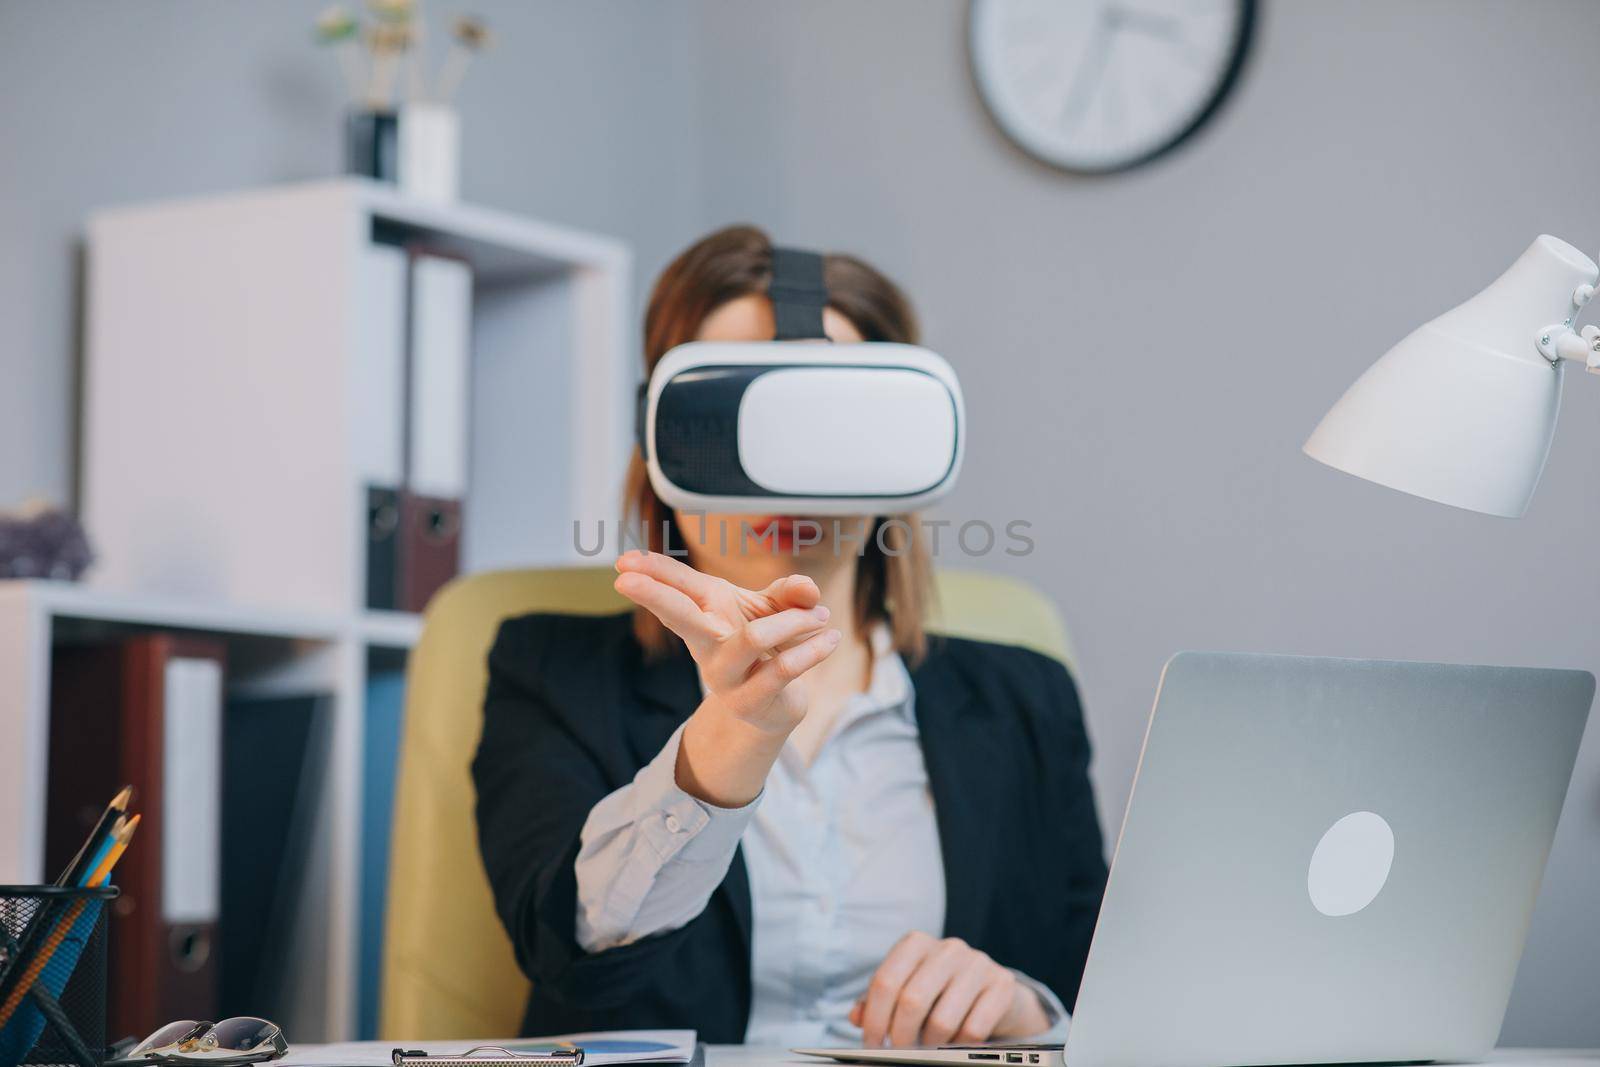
(417, 148)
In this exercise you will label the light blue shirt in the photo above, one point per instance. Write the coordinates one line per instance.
(842, 849)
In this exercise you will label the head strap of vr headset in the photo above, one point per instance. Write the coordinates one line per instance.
(798, 294)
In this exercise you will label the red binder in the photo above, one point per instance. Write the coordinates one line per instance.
(430, 547)
(146, 711)
(438, 386)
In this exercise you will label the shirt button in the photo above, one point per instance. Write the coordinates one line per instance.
(673, 825)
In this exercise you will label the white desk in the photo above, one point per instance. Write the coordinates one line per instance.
(761, 1056)
(757, 1056)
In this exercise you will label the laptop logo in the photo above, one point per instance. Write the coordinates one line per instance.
(1350, 864)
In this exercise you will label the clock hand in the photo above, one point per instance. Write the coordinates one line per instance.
(1111, 102)
(1149, 23)
(1081, 93)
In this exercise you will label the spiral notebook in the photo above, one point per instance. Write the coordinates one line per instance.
(600, 1049)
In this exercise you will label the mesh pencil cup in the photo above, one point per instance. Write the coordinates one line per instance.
(53, 975)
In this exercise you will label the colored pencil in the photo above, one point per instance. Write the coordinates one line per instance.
(110, 842)
(83, 864)
(91, 846)
(98, 877)
(102, 873)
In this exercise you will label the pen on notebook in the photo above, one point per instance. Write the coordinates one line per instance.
(116, 844)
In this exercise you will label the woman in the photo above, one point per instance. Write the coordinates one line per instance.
(764, 804)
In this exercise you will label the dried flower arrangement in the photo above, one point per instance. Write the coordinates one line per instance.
(391, 44)
(38, 541)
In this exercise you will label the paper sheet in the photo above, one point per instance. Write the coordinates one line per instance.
(599, 1048)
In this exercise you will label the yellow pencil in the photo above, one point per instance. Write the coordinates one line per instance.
(102, 830)
(120, 838)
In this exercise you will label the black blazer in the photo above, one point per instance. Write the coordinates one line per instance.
(574, 710)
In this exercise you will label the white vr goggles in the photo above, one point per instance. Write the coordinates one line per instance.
(813, 429)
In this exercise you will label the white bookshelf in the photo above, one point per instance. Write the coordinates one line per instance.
(269, 650)
(221, 493)
(222, 408)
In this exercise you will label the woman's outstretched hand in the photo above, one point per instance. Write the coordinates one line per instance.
(752, 648)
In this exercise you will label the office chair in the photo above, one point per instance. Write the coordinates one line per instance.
(448, 970)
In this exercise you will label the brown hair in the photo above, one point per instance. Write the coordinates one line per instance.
(894, 586)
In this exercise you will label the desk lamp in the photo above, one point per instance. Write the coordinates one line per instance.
(1462, 411)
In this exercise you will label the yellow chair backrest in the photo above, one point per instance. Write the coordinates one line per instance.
(448, 970)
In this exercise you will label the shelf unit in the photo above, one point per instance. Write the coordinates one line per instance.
(269, 650)
(223, 408)
(219, 492)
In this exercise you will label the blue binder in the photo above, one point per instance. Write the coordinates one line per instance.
(385, 709)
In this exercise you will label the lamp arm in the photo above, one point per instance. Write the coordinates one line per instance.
(1578, 347)
(1561, 341)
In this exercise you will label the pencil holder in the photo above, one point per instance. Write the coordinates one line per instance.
(53, 975)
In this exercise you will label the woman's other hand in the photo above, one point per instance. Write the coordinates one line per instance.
(929, 991)
(752, 648)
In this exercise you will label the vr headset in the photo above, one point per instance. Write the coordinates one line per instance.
(773, 427)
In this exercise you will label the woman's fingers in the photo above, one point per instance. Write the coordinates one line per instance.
(682, 577)
(674, 608)
(768, 679)
(760, 637)
(793, 591)
(930, 982)
(974, 974)
(887, 982)
(928, 992)
(991, 1006)
(729, 629)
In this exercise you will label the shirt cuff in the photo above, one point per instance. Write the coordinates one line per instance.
(679, 827)
(1054, 1010)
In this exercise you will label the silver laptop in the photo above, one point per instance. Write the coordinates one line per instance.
(1322, 861)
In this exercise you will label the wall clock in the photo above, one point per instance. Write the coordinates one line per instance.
(1096, 86)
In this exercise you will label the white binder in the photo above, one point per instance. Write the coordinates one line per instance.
(441, 353)
(191, 792)
(378, 367)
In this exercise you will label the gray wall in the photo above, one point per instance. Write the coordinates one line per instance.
(1143, 355)
(583, 116)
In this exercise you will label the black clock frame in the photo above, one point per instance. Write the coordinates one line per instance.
(1243, 39)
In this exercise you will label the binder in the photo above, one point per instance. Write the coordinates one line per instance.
(429, 548)
(383, 547)
(440, 364)
(274, 768)
(383, 718)
(437, 392)
(378, 389)
(378, 365)
(147, 711)
(415, 477)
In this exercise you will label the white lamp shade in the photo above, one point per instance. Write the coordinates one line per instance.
(1462, 410)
